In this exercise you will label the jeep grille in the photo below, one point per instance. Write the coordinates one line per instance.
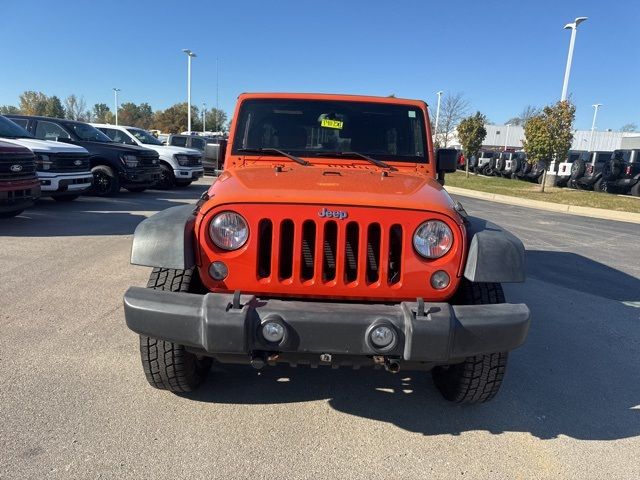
(333, 251)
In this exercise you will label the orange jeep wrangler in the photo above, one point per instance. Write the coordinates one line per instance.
(328, 240)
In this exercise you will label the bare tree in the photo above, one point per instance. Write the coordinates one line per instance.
(75, 107)
(527, 114)
(629, 127)
(453, 109)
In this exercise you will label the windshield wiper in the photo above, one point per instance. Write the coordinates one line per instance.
(279, 152)
(378, 163)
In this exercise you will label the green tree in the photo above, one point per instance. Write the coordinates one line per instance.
(216, 120)
(548, 136)
(33, 103)
(174, 119)
(53, 107)
(9, 110)
(471, 134)
(102, 113)
(136, 115)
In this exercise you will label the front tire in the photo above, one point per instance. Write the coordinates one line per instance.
(168, 365)
(105, 182)
(167, 178)
(477, 379)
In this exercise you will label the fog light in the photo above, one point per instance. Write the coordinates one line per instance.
(218, 271)
(273, 332)
(382, 336)
(440, 280)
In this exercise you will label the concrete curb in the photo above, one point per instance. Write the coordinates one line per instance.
(552, 207)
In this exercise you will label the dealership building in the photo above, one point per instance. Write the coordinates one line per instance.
(512, 136)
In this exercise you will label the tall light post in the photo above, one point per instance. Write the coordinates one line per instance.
(115, 94)
(437, 114)
(204, 117)
(506, 137)
(595, 106)
(573, 27)
(190, 55)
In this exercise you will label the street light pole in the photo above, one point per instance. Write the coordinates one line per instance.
(190, 54)
(595, 106)
(204, 117)
(574, 28)
(115, 94)
(437, 115)
(506, 137)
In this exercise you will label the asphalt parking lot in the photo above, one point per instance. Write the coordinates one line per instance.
(74, 402)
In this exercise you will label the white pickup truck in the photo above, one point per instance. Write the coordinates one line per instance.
(63, 169)
(179, 166)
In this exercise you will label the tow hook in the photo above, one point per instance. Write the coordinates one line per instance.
(390, 365)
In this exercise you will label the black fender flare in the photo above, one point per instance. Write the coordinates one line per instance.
(495, 255)
(166, 239)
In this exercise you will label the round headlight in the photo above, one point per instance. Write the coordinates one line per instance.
(229, 230)
(433, 239)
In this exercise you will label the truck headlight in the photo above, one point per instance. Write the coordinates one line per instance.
(182, 160)
(43, 162)
(433, 239)
(130, 161)
(229, 230)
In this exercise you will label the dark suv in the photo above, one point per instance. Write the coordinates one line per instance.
(622, 172)
(19, 184)
(586, 171)
(113, 165)
(213, 148)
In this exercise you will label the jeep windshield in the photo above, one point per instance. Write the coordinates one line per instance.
(144, 137)
(325, 128)
(87, 133)
(8, 129)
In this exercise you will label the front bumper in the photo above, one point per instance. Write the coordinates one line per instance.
(188, 173)
(141, 177)
(18, 194)
(64, 182)
(210, 323)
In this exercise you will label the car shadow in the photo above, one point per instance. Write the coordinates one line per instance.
(576, 375)
(89, 215)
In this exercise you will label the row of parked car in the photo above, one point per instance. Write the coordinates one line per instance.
(506, 164)
(63, 159)
(614, 172)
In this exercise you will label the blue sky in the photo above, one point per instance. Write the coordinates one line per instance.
(502, 55)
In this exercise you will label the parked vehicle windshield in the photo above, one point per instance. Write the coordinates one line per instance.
(321, 128)
(8, 129)
(144, 136)
(88, 133)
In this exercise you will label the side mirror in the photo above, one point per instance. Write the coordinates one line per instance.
(64, 140)
(446, 162)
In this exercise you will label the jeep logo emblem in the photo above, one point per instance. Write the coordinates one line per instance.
(326, 213)
(77, 163)
(16, 168)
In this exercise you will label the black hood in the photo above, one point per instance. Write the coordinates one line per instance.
(96, 148)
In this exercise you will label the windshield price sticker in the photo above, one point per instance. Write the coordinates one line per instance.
(325, 122)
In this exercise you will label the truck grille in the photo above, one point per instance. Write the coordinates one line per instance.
(69, 162)
(148, 161)
(335, 252)
(17, 166)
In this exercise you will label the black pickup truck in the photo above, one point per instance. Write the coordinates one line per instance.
(114, 165)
